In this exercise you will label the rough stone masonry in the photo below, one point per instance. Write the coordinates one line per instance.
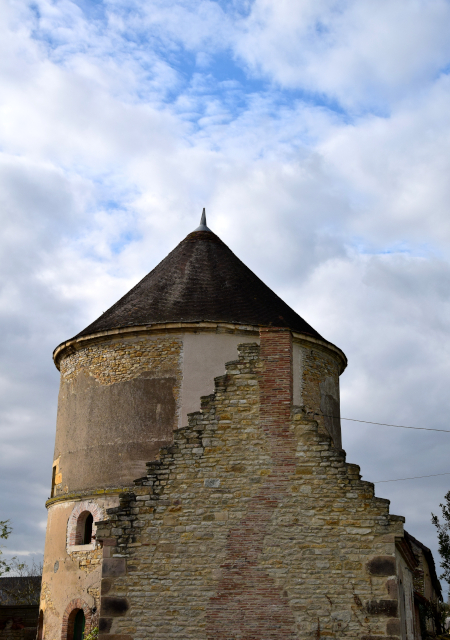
(251, 525)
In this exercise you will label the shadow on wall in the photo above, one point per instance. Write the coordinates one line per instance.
(19, 622)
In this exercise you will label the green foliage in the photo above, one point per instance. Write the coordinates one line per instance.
(5, 531)
(425, 615)
(93, 635)
(432, 616)
(444, 537)
(443, 611)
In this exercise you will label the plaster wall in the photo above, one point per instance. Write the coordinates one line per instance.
(118, 404)
(204, 358)
(120, 401)
(106, 433)
(68, 575)
(297, 374)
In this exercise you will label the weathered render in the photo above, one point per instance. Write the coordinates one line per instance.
(199, 486)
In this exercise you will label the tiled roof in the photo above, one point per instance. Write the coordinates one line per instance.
(200, 280)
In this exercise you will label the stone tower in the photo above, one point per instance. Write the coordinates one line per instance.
(132, 378)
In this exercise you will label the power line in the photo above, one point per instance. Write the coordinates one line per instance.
(413, 478)
(397, 426)
(383, 424)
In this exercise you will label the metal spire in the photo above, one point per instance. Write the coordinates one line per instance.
(203, 226)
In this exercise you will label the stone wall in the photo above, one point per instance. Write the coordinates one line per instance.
(120, 400)
(320, 391)
(251, 525)
(119, 360)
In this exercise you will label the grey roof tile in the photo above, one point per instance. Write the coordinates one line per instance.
(200, 280)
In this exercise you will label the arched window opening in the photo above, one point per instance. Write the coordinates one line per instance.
(40, 630)
(88, 529)
(81, 527)
(84, 529)
(76, 621)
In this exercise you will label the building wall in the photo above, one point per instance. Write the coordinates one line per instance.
(70, 572)
(118, 403)
(121, 398)
(428, 590)
(251, 525)
(320, 390)
(425, 582)
(204, 355)
(406, 598)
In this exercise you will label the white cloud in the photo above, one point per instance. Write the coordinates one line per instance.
(390, 316)
(395, 168)
(119, 122)
(362, 53)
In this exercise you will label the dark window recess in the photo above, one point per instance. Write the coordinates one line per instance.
(40, 629)
(88, 529)
(52, 495)
(78, 627)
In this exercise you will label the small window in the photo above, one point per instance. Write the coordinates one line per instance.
(81, 525)
(52, 494)
(87, 538)
(84, 528)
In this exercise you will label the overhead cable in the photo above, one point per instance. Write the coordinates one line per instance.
(383, 424)
(433, 475)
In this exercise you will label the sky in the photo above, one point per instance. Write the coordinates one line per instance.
(316, 134)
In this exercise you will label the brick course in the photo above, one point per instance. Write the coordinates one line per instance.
(245, 593)
(75, 529)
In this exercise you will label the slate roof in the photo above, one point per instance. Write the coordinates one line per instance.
(200, 280)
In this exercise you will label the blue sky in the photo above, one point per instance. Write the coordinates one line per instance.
(315, 133)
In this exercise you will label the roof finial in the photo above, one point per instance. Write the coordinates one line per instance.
(203, 226)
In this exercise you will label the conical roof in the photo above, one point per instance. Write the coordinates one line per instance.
(200, 280)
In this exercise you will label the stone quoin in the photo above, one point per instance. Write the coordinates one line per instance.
(199, 485)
